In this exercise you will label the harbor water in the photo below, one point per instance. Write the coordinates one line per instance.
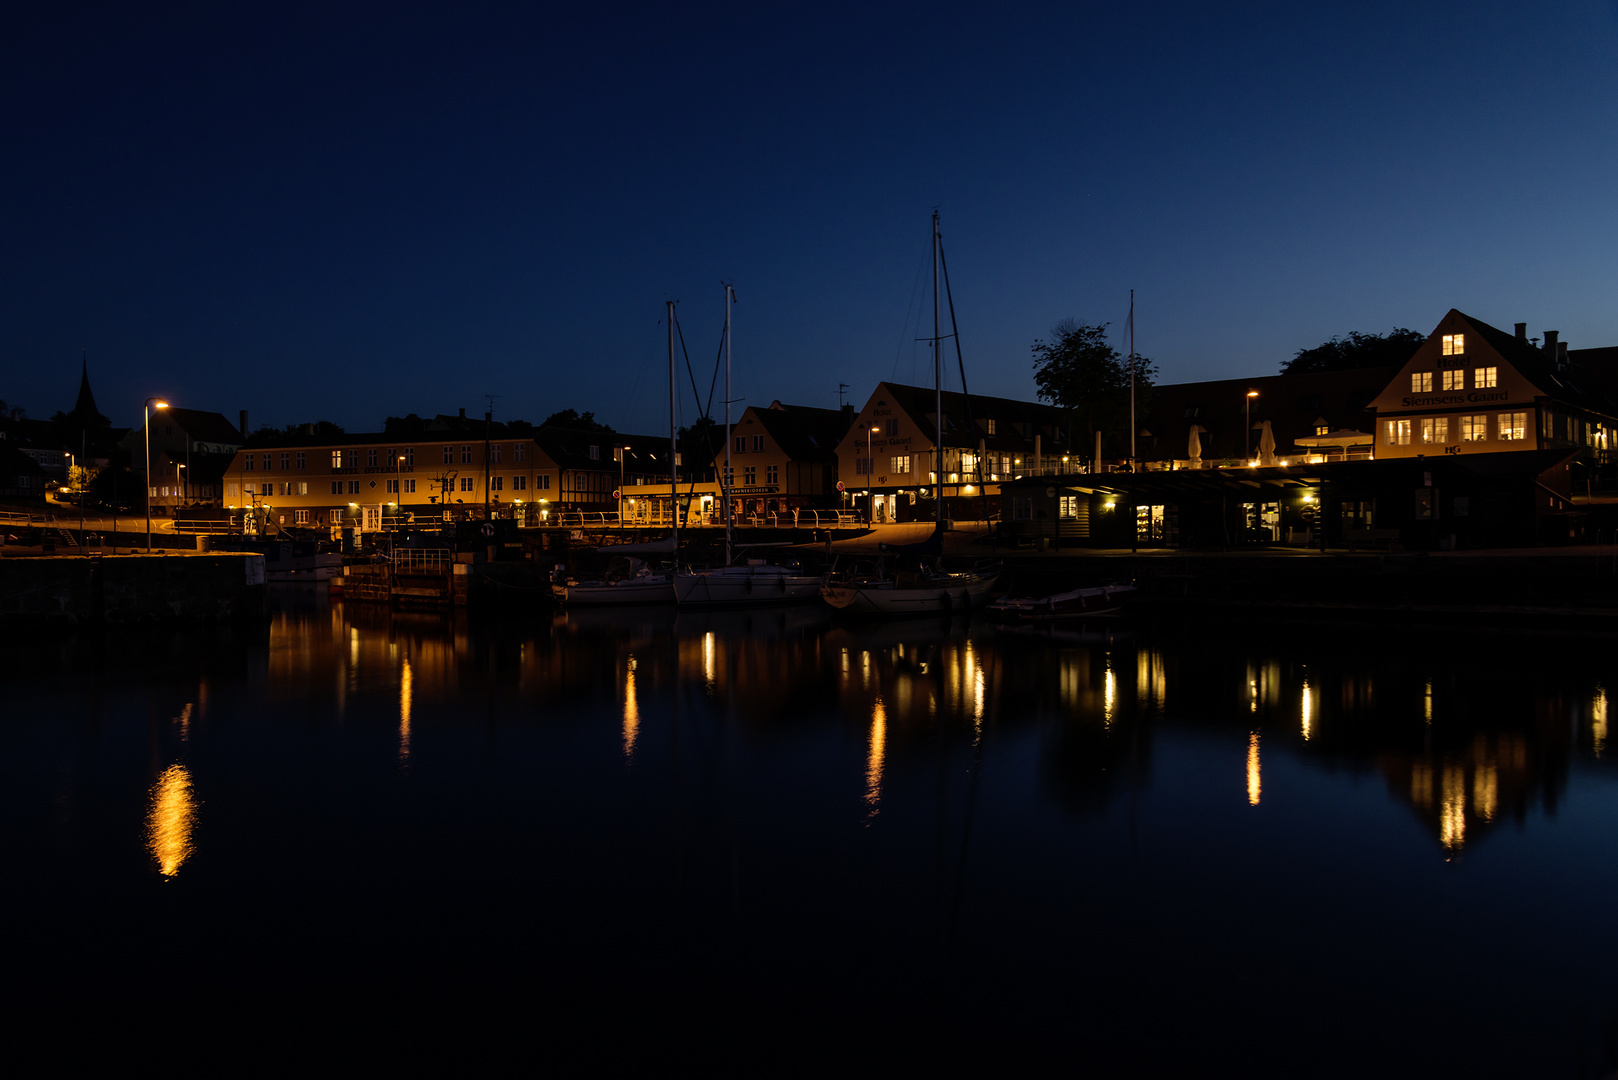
(747, 839)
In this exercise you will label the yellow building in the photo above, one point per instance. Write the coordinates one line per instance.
(1473, 389)
(784, 457)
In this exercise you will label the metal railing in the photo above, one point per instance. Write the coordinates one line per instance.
(13, 518)
(211, 528)
(422, 560)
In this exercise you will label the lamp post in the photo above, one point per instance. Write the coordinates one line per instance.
(398, 487)
(870, 478)
(185, 484)
(146, 413)
(623, 456)
(1247, 404)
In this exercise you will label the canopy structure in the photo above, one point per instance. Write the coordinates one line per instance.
(1344, 437)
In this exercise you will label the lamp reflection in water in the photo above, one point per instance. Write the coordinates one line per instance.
(876, 751)
(406, 692)
(1109, 694)
(183, 722)
(708, 666)
(171, 820)
(1308, 710)
(1598, 720)
(631, 711)
(1252, 769)
(1452, 812)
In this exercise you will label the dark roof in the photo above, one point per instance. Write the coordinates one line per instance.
(204, 426)
(1588, 386)
(1016, 422)
(570, 449)
(804, 432)
(15, 463)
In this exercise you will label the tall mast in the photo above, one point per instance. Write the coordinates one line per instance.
(729, 296)
(1132, 380)
(938, 393)
(674, 446)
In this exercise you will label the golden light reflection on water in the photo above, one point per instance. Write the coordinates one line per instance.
(1598, 720)
(1109, 694)
(1427, 704)
(631, 710)
(708, 662)
(406, 692)
(1150, 682)
(1308, 710)
(171, 820)
(1253, 786)
(1452, 812)
(876, 751)
(183, 722)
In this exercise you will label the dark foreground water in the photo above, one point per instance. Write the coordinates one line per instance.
(745, 843)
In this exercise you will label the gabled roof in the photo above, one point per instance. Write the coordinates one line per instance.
(204, 426)
(1577, 385)
(803, 432)
(1016, 422)
(570, 448)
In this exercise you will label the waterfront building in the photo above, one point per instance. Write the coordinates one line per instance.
(886, 458)
(784, 457)
(190, 451)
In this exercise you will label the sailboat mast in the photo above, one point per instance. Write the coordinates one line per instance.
(938, 393)
(674, 446)
(729, 296)
(1131, 380)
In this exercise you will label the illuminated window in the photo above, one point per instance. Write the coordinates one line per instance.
(900, 464)
(1397, 433)
(1474, 428)
(1513, 426)
(337, 459)
(1454, 344)
(300, 517)
(1421, 382)
(1068, 506)
(772, 474)
(990, 423)
(1322, 429)
(1484, 378)
(301, 488)
(1455, 379)
(1435, 429)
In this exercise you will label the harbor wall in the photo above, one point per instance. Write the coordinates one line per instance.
(45, 591)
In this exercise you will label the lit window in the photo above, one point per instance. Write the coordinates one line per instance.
(337, 459)
(1513, 426)
(1435, 429)
(301, 487)
(1068, 506)
(1484, 378)
(300, 517)
(1454, 344)
(1322, 429)
(1474, 428)
(900, 465)
(1421, 382)
(1455, 379)
(1398, 433)
(991, 426)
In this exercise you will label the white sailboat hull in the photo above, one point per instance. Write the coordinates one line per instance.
(745, 585)
(955, 592)
(645, 590)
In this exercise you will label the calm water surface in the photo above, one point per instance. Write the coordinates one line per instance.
(751, 839)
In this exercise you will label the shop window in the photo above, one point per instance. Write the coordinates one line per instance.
(1454, 344)
(1474, 428)
(1455, 379)
(1421, 382)
(1513, 426)
(1485, 378)
(1435, 429)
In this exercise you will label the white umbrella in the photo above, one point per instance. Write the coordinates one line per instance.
(1195, 453)
(1266, 446)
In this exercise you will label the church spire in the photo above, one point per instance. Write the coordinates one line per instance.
(85, 408)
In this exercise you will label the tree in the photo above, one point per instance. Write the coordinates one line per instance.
(572, 418)
(1358, 351)
(410, 424)
(1080, 372)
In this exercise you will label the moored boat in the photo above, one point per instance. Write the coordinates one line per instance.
(1073, 604)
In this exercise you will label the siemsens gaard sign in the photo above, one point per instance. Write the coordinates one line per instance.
(1433, 401)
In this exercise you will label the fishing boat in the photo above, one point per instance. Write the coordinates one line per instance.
(628, 580)
(1073, 604)
(753, 580)
(908, 580)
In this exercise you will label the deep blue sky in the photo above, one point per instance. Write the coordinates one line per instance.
(400, 208)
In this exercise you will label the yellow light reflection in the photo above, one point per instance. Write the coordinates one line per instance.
(1427, 704)
(1109, 694)
(876, 751)
(1252, 769)
(1149, 679)
(631, 711)
(407, 684)
(1452, 811)
(1308, 710)
(1486, 790)
(708, 665)
(171, 820)
(1598, 720)
(184, 722)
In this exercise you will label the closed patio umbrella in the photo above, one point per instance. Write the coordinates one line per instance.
(1266, 446)
(1195, 451)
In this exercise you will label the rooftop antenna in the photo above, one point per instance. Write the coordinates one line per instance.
(842, 390)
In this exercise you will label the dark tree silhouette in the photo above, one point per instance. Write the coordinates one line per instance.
(1356, 351)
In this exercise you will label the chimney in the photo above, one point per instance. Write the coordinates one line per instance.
(1561, 356)
(1550, 345)
(1522, 332)
(463, 414)
(848, 417)
(244, 423)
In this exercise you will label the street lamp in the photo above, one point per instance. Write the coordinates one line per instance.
(398, 488)
(146, 413)
(870, 472)
(1247, 404)
(185, 484)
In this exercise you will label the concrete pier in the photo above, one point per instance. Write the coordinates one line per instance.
(67, 591)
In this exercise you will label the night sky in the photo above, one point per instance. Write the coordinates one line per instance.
(401, 208)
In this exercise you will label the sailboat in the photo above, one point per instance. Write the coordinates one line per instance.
(908, 581)
(754, 581)
(630, 580)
